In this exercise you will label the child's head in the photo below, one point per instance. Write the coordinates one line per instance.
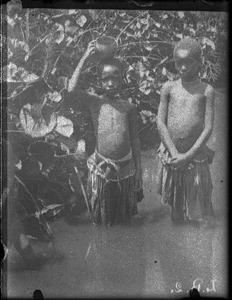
(187, 56)
(110, 74)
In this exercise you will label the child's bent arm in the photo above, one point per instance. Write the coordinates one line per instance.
(75, 94)
(73, 81)
(209, 120)
(162, 119)
(135, 147)
(134, 139)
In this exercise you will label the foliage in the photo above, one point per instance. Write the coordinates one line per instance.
(44, 47)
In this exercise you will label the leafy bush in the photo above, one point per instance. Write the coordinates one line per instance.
(44, 47)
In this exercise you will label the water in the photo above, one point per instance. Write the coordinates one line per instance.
(149, 258)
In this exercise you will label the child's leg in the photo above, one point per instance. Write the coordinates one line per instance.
(177, 208)
(198, 187)
(159, 177)
(208, 211)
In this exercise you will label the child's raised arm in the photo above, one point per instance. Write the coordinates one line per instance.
(162, 119)
(74, 94)
(73, 81)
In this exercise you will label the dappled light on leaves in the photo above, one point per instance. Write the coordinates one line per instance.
(44, 47)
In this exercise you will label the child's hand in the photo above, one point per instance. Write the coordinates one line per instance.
(179, 160)
(138, 180)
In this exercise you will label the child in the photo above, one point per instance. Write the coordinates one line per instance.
(185, 123)
(115, 166)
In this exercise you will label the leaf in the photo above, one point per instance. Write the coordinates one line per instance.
(138, 25)
(74, 182)
(10, 21)
(59, 33)
(208, 42)
(47, 112)
(191, 30)
(213, 29)
(19, 165)
(157, 24)
(147, 91)
(148, 47)
(29, 78)
(94, 13)
(144, 21)
(179, 35)
(122, 14)
(52, 210)
(72, 11)
(81, 146)
(32, 127)
(81, 20)
(140, 69)
(147, 113)
(69, 40)
(164, 71)
(55, 96)
(180, 14)
(11, 71)
(64, 126)
(143, 86)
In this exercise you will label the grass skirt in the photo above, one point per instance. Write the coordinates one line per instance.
(188, 190)
(111, 191)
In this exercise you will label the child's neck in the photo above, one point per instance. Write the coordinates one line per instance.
(112, 98)
(190, 79)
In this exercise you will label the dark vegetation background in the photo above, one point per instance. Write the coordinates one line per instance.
(43, 48)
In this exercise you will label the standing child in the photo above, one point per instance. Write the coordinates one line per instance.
(185, 123)
(115, 166)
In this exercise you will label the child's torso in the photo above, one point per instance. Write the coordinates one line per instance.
(186, 115)
(111, 124)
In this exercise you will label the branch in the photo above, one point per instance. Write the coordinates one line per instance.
(146, 42)
(36, 205)
(22, 32)
(87, 28)
(13, 96)
(44, 38)
(86, 70)
(130, 24)
(27, 25)
(18, 131)
(81, 34)
(140, 56)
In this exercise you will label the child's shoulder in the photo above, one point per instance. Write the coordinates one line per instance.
(208, 88)
(205, 88)
(127, 105)
(170, 84)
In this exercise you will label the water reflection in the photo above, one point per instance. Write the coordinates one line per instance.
(151, 257)
(186, 256)
(115, 261)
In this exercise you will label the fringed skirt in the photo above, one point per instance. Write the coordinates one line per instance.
(188, 190)
(113, 200)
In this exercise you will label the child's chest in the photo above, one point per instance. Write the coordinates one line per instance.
(109, 117)
(183, 100)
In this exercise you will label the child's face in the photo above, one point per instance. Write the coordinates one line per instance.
(111, 80)
(186, 64)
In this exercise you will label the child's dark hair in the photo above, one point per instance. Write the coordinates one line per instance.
(111, 62)
(190, 44)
